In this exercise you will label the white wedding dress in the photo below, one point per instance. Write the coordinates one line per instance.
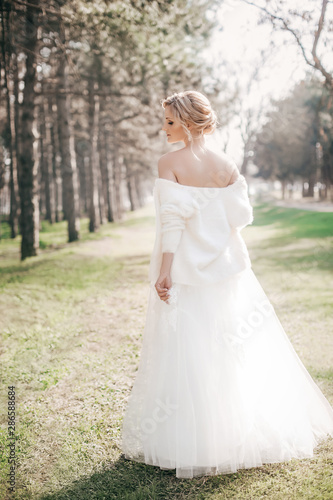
(219, 385)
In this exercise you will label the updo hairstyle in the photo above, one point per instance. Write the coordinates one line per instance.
(192, 107)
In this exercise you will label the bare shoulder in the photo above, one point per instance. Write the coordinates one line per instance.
(225, 161)
(227, 165)
(167, 165)
(233, 170)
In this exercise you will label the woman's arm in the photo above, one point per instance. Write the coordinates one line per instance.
(163, 283)
(167, 259)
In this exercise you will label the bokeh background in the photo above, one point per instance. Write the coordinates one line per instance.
(82, 82)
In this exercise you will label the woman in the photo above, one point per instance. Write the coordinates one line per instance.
(219, 385)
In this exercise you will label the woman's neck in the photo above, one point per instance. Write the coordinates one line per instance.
(196, 144)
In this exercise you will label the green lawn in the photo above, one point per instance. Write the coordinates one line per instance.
(71, 330)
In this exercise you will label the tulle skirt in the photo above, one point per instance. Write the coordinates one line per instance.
(219, 385)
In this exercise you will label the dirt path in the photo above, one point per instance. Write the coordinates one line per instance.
(131, 239)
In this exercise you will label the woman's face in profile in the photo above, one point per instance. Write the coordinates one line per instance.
(172, 127)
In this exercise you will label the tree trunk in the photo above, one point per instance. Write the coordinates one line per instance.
(94, 216)
(28, 159)
(45, 129)
(56, 163)
(330, 192)
(117, 183)
(81, 170)
(41, 179)
(103, 164)
(101, 203)
(15, 134)
(109, 178)
(138, 189)
(132, 195)
(66, 145)
(6, 54)
(309, 190)
(2, 178)
(311, 183)
(283, 188)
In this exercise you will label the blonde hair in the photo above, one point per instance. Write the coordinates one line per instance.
(192, 107)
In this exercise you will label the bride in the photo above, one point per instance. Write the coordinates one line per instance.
(219, 385)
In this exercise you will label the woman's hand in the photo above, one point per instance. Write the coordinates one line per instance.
(162, 286)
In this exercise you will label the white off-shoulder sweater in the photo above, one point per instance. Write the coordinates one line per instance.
(201, 226)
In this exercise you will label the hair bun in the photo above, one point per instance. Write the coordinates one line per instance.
(192, 107)
(211, 122)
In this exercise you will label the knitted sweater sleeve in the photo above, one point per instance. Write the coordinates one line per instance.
(176, 206)
(238, 207)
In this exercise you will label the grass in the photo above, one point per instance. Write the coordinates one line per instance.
(71, 330)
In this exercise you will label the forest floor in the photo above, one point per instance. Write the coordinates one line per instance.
(71, 323)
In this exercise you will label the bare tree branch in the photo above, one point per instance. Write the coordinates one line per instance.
(38, 7)
(317, 63)
(84, 93)
(125, 117)
(316, 59)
